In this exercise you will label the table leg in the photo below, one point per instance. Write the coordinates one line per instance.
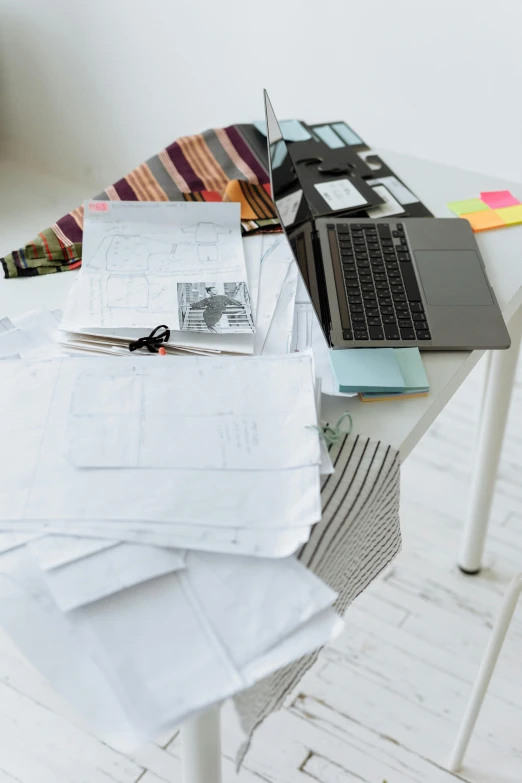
(495, 408)
(201, 747)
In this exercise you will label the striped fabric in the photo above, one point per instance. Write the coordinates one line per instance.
(217, 165)
(357, 537)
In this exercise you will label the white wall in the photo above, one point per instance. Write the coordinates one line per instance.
(90, 88)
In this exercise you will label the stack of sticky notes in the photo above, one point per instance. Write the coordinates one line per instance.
(494, 209)
(413, 375)
(380, 373)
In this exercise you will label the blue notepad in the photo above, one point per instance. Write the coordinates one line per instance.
(367, 370)
(413, 373)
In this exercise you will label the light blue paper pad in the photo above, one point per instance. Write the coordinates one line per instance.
(367, 370)
(329, 136)
(412, 371)
(292, 130)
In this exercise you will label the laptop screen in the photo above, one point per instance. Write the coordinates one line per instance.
(287, 192)
(293, 210)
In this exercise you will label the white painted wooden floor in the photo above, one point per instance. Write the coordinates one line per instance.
(384, 701)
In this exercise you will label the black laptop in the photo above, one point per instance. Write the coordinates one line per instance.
(380, 283)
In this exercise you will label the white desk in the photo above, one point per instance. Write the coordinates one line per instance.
(30, 201)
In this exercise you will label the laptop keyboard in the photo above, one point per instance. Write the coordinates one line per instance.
(383, 295)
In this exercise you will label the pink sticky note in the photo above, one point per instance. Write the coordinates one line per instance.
(496, 199)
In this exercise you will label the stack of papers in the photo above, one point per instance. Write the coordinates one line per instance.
(380, 373)
(307, 335)
(150, 651)
(149, 508)
(414, 377)
(181, 264)
(175, 263)
(229, 450)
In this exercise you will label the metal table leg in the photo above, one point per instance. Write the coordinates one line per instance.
(495, 408)
(201, 747)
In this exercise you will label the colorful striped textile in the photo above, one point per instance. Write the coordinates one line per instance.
(217, 165)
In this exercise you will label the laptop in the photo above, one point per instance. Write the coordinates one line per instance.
(390, 282)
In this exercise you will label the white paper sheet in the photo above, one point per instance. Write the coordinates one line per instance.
(340, 194)
(256, 542)
(253, 250)
(197, 342)
(231, 611)
(216, 581)
(307, 333)
(140, 661)
(276, 260)
(12, 344)
(234, 499)
(91, 340)
(322, 629)
(11, 539)
(103, 573)
(279, 337)
(31, 335)
(53, 551)
(28, 486)
(147, 263)
(6, 325)
(39, 331)
(44, 635)
(195, 417)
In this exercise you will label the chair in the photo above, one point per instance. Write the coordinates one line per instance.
(486, 670)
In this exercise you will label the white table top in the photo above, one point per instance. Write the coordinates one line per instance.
(30, 201)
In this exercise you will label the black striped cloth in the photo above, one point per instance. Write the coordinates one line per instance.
(358, 536)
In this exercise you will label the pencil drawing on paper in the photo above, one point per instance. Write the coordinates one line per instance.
(136, 261)
(302, 329)
(127, 291)
(214, 307)
(133, 253)
(206, 236)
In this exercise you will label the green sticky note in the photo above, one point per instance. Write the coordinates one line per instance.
(511, 215)
(366, 370)
(467, 206)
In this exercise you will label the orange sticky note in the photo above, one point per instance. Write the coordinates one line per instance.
(511, 215)
(482, 221)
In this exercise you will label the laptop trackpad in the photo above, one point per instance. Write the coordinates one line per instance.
(453, 277)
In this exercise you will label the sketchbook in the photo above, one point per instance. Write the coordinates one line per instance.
(146, 263)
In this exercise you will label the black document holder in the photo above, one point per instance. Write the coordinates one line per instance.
(347, 159)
